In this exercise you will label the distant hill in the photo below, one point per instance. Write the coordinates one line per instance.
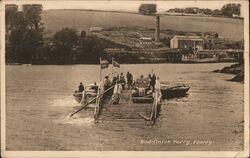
(55, 20)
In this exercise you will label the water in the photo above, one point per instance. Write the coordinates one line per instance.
(39, 100)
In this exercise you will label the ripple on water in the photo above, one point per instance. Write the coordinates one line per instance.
(75, 120)
(67, 101)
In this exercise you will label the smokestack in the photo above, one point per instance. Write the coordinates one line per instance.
(157, 29)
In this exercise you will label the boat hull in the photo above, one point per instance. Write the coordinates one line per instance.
(78, 96)
(197, 60)
(174, 92)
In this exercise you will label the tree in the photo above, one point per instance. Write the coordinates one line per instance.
(176, 10)
(216, 12)
(10, 16)
(64, 40)
(24, 34)
(231, 9)
(83, 34)
(207, 11)
(92, 48)
(191, 10)
(147, 9)
(32, 14)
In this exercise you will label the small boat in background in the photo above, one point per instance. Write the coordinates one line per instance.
(174, 91)
(89, 90)
(198, 60)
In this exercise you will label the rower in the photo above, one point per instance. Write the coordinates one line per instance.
(81, 87)
(95, 87)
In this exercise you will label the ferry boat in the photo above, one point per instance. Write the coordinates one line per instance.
(130, 105)
(118, 101)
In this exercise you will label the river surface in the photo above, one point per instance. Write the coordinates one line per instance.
(39, 98)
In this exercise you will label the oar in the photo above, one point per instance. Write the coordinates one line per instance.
(90, 102)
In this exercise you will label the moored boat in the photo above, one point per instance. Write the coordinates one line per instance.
(174, 91)
(198, 60)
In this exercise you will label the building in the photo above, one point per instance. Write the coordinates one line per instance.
(145, 41)
(96, 29)
(181, 42)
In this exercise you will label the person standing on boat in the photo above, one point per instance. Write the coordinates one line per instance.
(114, 80)
(117, 93)
(149, 79)
(122, 80)
(107, 83)
(129, 79)
(158, 89)
(81, 87)
(153, 81)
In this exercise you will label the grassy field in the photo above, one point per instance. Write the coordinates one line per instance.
(55, 20)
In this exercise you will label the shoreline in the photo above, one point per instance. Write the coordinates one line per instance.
(235, 69)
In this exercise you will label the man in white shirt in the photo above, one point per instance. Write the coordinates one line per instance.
(158, 89)
(117, 93)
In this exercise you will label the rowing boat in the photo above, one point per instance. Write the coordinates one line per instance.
(174, 91)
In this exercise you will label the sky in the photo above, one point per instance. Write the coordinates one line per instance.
(124, 5)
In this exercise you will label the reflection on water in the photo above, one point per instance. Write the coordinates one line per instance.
(39, 100)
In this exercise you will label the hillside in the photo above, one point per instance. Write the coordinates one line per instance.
(55, 20)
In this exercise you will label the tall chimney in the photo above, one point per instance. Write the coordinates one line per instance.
(157, 29)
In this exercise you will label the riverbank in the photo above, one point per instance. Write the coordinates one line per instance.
(237, 69)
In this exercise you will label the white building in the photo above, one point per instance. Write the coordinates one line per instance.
(96, 29)
(146, 41)
(187, 42)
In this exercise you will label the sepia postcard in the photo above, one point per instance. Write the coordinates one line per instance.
(124, 78)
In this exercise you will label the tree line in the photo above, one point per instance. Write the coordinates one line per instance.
(228, 10)
(26, 44)
(147, 9)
